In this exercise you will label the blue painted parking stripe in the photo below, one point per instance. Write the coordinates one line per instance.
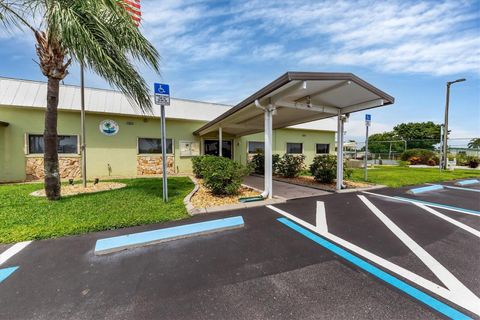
(434, 187)
(467, 182)
(113, 244)
(463, 189)
(368, 267)
(438, 205)
(6, 272)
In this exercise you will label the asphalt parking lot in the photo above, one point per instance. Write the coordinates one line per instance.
(353, 256)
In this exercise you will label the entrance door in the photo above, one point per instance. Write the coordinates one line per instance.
(211, 147)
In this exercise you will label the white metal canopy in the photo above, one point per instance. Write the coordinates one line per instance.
(295, 98)
(300, 97)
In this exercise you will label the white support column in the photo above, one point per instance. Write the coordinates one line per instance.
(220, 142)
(269, 148)
(339, 152)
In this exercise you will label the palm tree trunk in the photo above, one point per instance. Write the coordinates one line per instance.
(50, 138)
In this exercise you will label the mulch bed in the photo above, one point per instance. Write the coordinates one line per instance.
(70, 190)
(203, 198)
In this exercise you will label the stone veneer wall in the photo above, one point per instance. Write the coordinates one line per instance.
(69, 167)
(153, 165)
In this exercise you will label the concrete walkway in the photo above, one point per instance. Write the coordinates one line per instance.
(283, 189)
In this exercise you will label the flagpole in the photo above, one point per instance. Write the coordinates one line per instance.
(82, 125)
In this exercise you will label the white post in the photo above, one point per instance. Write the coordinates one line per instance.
(268, 152)
(220, 142)
(366, 154)
(339, 152)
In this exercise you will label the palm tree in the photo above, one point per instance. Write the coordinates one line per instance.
(98, 33)
(474, 143)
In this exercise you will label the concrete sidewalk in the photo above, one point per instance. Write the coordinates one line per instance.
(283, 189)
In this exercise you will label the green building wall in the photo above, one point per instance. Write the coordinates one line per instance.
(119, 152)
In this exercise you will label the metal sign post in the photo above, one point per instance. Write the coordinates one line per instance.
(368, 119)
(162, 97)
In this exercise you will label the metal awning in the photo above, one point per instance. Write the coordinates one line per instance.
(4, 124)
(300, 97)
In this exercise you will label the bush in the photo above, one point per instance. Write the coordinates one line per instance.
(258, 163)
(473, 163)
(469, 161)
(419, 156)
(290, 165)
(198, 165)
(324, 169)
(222, 176)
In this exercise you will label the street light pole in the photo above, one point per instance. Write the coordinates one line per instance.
(445, 124)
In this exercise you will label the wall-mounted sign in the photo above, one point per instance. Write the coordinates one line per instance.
(109, 127)
(189, 148)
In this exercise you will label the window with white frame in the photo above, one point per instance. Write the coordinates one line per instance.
(153, 145)
(322, 148)
(256, 146)
(294, 147)
(66, 144)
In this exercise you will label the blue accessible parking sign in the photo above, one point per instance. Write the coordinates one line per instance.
(368, 117)
(162, 94)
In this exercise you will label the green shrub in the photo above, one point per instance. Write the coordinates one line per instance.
(290, 165)
(222, 176)
(258, 163)
(198, 165)
(419, 156)
(469, 161)
(324, 169)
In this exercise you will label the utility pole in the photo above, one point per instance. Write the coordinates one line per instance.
(445, 124)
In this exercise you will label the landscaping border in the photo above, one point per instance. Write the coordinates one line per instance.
(228, 207)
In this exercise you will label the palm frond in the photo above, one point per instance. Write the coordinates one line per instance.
(102, 35)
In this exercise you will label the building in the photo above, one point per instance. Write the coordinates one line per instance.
(121, 141)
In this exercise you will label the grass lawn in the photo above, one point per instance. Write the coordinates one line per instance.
(24, 217)
(403, 176)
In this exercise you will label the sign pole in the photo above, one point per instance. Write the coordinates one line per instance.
(162, 98)
(368, 118)
(164, 153)
(83, 145)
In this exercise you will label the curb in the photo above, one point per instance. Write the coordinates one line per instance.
(228, 207)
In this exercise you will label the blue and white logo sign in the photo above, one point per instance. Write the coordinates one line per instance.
(162, 93)
(109, 127)
(368, 119)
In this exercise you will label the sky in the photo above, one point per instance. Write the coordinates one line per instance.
(223, 51)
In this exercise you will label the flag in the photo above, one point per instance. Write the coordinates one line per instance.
(133, 7)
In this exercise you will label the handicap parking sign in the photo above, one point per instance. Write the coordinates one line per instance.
(162, 93)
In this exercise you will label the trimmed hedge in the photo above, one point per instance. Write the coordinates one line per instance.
(198, 165)
(258, 163)
(222, 176)
(290, 165)
(420, 156)
(324, 168)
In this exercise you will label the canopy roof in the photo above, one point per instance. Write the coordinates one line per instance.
(300, 97)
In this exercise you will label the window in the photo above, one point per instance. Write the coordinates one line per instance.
(211, 147)
(152, 145)
(294, 147)
(66, 144)
(256, 147)
(322, 148)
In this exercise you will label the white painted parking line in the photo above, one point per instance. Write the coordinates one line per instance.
(446, 218)
(449, 280)
(472, 303)
(430, 204)
(13, 250)
(321, 220)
